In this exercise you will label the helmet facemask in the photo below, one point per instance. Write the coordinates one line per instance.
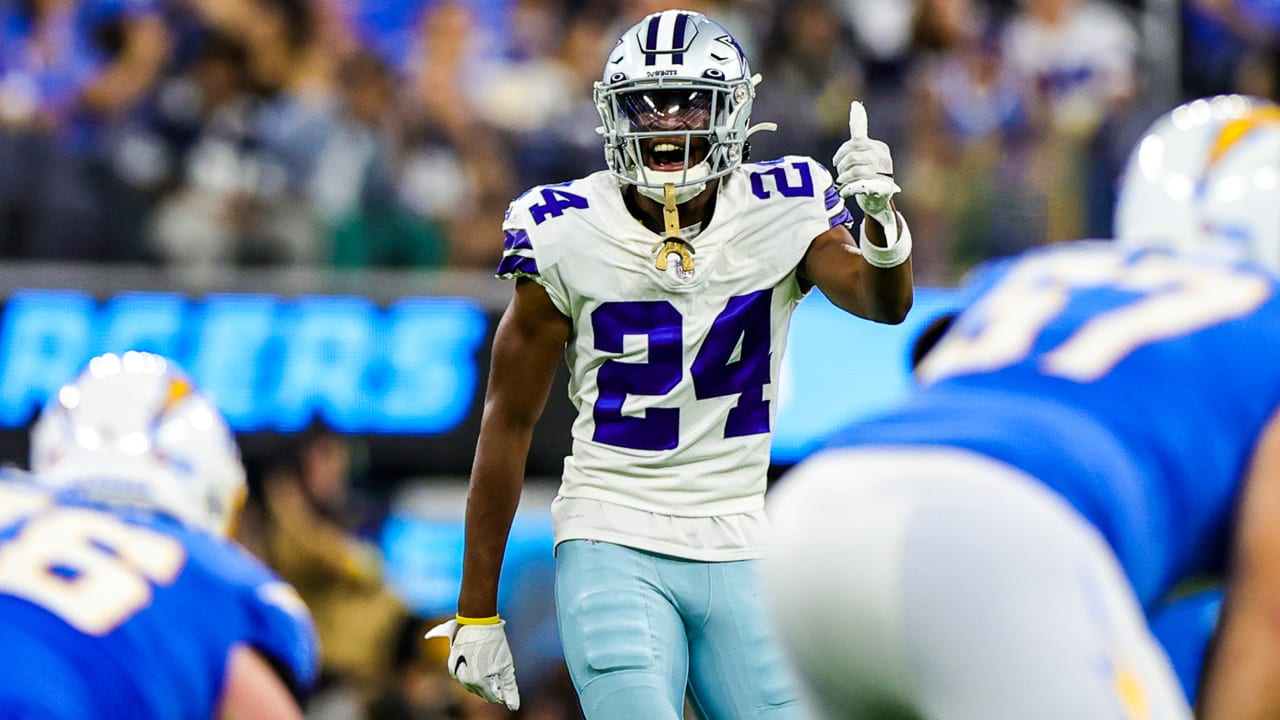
(661, 131)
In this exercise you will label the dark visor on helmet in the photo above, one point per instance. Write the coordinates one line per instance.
(664, 110)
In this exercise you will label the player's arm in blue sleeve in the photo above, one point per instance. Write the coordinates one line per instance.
(836, 264)
(254, 691)
(1239, 679)
(976, 282)
(282, 630)
(1184, 626)
(264, 624)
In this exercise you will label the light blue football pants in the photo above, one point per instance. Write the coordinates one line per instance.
(637, 628)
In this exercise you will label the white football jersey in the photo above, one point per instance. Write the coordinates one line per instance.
(673, 371)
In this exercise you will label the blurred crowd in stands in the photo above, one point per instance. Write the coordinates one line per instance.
(213, 134)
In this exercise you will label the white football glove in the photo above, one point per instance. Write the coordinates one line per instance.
(864, 169)
(480, 660)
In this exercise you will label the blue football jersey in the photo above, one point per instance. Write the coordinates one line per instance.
(1134, 383)
(111, 614)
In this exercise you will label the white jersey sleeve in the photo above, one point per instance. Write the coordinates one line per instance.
(673, 365)
(519, 259)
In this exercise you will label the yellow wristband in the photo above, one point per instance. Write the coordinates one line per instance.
(492, 620)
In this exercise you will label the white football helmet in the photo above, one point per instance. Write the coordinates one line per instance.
(675, 102)
(132, 430)
(1206, 177)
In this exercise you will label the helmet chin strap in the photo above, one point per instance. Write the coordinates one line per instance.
(671, 213)
(669, 178)
(682, 194)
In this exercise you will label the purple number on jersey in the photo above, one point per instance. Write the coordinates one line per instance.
(802, 188)
(716, 373)
(554, 203)
(744, 323)
(659, 429)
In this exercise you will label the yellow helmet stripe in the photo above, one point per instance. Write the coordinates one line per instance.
(1236, 130)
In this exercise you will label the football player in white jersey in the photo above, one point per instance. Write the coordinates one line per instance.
(667, 283)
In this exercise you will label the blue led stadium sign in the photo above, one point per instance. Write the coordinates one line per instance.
(838, 369)
(272, 364)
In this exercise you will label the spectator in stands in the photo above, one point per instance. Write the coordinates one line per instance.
(199, 129)
(208, 134)
(968, 132)
(457, 172)
(564, 144)
(306, 531)
(353, 186)
(812, 72)
(1077, 60)
(68, 70)
(247, 196)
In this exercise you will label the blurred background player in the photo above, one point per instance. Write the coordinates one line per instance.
(1095, 428)
(668, 282)
(307, 529)
(121, 594)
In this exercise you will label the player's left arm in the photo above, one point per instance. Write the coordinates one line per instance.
(871, 279)
(253, 691)
(838, 267)
(1239, 679)
(277, 626)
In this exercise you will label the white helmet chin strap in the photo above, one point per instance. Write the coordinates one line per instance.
(684, 193)
(659, 179)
